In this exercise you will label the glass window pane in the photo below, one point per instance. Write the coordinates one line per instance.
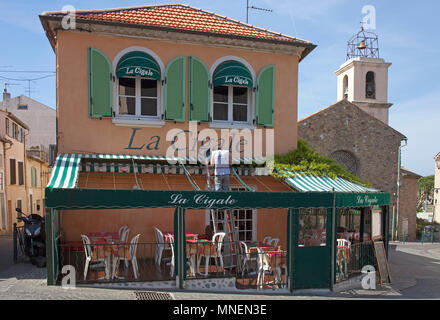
(148, 88)
(312, 228)
(240, 94)
(148, 107)
(127, 105)
(239, 113)
(220, 111)
(221, 94)
(127, 86)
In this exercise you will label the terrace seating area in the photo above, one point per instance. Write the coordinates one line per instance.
(118, 256)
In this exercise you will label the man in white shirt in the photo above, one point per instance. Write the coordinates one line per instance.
(220, 160)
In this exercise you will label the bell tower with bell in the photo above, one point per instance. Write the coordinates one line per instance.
(363, 78)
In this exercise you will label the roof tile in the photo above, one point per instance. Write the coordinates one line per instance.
(181, 17)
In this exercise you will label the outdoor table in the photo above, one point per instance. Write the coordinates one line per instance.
(196, 249)
(103, 235)
(252, 246)
(105, 248)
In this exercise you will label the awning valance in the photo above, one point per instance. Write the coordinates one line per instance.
(312, 183)
(232, 73)
(138, 63)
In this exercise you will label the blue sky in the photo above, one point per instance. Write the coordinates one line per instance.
(408, 38)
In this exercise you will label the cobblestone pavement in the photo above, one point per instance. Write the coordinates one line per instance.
(414, 268)
(26, 282)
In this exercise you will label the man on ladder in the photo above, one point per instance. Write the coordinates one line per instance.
(220, 160)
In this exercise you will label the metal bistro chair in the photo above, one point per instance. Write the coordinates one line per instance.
(92, 260)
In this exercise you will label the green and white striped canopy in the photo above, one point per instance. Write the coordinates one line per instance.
(67, 166)
(312, 183)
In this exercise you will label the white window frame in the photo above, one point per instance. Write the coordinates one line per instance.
(138, 119)
(231, 107)
(251, 99)
(138, 98)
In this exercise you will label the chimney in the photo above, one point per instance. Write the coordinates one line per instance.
(6, 95)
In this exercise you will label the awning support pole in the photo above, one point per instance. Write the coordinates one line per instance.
(291, 218)
(386, 226)
(179, 245)
(333, 243)
(50, 248)
(241, 181)
(189, 177)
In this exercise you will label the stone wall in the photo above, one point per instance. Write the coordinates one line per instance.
(373, 145)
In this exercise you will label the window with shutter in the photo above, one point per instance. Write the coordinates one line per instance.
(100, 84)
(175, 76)
(20, 173)
(199, 91)
(265, 96)
(12, 172)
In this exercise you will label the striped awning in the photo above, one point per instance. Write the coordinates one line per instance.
(312, 183)
(67, 166)
(65, 171)
(232, 73)
(138, 63)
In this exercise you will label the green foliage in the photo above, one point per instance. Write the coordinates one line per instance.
(305, 160)
(426, 184)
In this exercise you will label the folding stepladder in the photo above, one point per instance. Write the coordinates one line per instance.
(231, 243)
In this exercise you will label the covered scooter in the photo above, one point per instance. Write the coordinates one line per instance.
(34, 237)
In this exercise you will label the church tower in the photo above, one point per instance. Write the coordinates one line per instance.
(363, 78)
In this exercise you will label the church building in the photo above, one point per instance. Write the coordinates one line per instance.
(355, 130)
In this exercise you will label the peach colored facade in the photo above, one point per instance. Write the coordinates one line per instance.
(93, 135)
(79, 133)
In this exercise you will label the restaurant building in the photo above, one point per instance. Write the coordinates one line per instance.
(143, 96)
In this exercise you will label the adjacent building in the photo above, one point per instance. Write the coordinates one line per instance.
(40, 119)
(24, 169)
(406, 223)
(354, 131)
(437, 188)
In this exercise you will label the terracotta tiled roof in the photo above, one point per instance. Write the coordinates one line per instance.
(180, 17)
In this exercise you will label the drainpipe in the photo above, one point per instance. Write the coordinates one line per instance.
(398, 186)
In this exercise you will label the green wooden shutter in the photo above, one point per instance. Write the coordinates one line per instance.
(175, 76)
(100, 84)
(265, 96)
(33, 177)
(199, 91)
